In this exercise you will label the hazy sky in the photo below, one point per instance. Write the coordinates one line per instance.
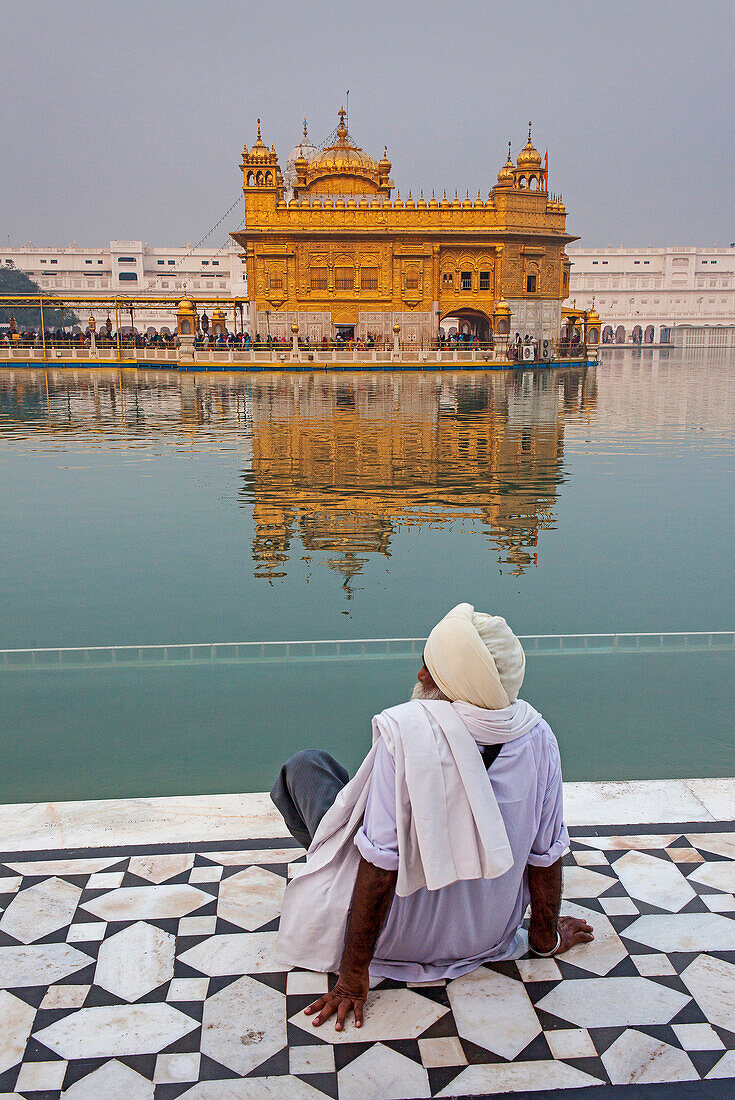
(126, 120)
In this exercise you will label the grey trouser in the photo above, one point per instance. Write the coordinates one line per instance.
(306, 787)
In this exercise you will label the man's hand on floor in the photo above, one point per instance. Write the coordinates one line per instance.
(349, 995)
(573, 930)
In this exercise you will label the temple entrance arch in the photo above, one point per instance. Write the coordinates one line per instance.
(467, 324)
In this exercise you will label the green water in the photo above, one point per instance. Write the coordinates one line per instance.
(153, 507)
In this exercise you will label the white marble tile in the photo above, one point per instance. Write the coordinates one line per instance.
(484, 1080)
(306, 981)
(655, 881)
(638, 1059)
(684, 855)
(112, 1081)
(46, 868)
(538, 970)
(285, 1087)
(619, 907)
(197, 926)
(243, 1025)
(719, 903)
(493, 1011)
(206, 874)
(442, 1052)
(719, 844)
(318, 1059)
(158, 869)
(148, 902)
(116, 1030)
(382, 1074)
(573, 1042)
(389, 1014)
(65, 996)
(135, 961)
(724, 1068)
(46, 826)
(105, 880)
(716, 795)
(173, 1068)
(39, 964)
(712, 984)
(251, 898)
(698, 1037)
(720, 875)
(604, 952)
(234, 953)
(683, 932)
(586, 858)
(90, 932)
(580, 882)
(653, 966)
(10, 884)
(633, 842)
(16, 1021)
(256, 855)
(632, 803)
(41, 1076)
(41, 909)
(613, 1002)
(188, 989)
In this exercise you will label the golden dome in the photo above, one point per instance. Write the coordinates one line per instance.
(342, 158)
(505, 175)
(593, 316)
(529, 157)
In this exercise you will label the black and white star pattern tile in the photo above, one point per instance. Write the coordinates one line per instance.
(148, 974)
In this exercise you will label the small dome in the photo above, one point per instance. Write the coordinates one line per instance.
(593, 317)
(529, 157)
(505, 175)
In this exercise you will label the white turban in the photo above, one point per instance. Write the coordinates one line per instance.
(475, 658)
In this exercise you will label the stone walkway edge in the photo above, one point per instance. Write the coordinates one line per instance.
(229, 817)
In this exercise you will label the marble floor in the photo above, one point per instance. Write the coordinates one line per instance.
(143, 970)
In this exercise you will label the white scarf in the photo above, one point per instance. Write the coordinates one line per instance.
(450, 828)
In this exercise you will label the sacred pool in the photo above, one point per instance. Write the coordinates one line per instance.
(157, 525)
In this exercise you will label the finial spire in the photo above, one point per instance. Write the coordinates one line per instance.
(259, 137)
(306, 131)
(529, 133)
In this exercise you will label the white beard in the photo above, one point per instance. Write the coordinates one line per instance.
(421, 692)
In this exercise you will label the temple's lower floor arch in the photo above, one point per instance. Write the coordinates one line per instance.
(467, 324)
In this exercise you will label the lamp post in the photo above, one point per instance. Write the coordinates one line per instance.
(294, 340)
(396, 340)
(268, 324)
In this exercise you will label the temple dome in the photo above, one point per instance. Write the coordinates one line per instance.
(505, 175)
(529, 157)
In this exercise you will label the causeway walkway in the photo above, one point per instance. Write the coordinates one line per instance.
(136, 963)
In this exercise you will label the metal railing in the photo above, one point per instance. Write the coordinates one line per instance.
(180, 655)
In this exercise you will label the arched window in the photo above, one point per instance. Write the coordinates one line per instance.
(607, 334)
(259, 179)
(251, 179)
(185, 328)
(522, 182)
(620, 334)
(533, 182)
(648, 335)
(268, 179)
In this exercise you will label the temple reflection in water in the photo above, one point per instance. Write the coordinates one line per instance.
(340, 463)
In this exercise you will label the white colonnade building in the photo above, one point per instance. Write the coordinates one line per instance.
(680, 296)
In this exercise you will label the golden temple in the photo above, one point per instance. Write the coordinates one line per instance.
(330, 250)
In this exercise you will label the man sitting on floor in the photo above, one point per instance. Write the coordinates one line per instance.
(422, 866)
